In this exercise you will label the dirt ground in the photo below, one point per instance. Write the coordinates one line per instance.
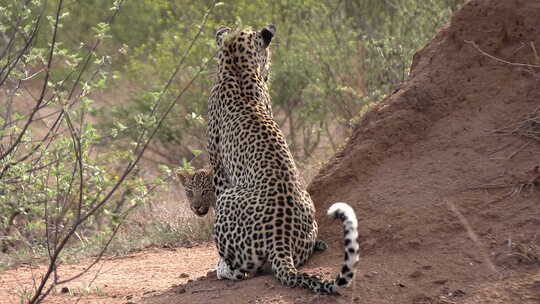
(444, 176)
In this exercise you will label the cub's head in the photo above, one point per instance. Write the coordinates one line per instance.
(245, 50)
(199, 189)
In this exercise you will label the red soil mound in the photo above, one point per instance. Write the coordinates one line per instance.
(447, 142)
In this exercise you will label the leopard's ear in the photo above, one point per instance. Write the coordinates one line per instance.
(183, 176)
(268, 33)
(208, 173)
(220, 34)
(208, 170)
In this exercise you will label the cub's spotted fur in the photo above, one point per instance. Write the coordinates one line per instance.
(199, 189)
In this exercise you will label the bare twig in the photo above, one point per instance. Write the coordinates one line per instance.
(515, 188)
(11, 40)
(472, 235)
(499, 59)
(533, 47)
(205, 290)
(10, 65)
(527, 126)
(519, 48)
(40, 100)
(525, 145)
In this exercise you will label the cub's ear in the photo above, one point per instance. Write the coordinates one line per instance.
(268, 33)
(208, 173)
(219, 34)
(182, 176)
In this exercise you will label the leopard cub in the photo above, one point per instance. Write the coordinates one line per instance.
(199, 189)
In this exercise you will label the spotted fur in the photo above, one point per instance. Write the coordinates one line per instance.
(262, 212)
(200, 193)
(199, 189)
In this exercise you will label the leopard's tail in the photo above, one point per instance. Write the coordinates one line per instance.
(286, 273)
(346, 214)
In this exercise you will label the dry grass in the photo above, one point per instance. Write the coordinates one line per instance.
(528, 126)
(167, 222)
(527, 253)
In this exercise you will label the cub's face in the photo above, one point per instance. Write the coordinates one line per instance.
(200, 190)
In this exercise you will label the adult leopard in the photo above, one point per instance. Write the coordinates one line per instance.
(262, 212)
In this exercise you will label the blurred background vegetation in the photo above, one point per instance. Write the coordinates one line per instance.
(332, 60)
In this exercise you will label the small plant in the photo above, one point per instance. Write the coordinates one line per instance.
(78, 292)
(24, 295)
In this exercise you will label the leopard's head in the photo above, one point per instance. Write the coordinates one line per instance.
(199, 189)
(245, 49)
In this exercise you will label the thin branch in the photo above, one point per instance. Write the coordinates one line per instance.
(14, 34)
(103, 250)
(39, 295)
(52, 131)
(45, 82)
(43, 90)
(499, 59)
(472, 235)
(9, 106)
(536, 57)
(177, 69)
(11, 65)
(94, 262)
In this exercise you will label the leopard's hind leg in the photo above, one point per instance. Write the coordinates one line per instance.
(224, 272)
